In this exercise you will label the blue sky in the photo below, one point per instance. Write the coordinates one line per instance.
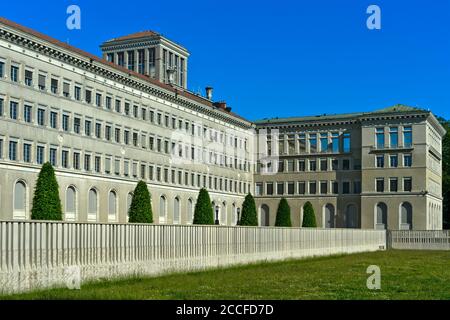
(285, 57)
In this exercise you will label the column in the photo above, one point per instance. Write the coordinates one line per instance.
(147, 61)
(136, 61)
(125, 59)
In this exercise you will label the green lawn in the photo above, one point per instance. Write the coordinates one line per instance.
(404, 275)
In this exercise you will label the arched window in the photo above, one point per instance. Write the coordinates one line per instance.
(329, 216)
(20, 200)
(264, 216)
(112, 206)
(190, 211)
(71, 204)
(406, 216)
(351, 216)
(381, 216)
(176, 210)
(129, 200)
(162, 209)
(92, 205)
(223, 214)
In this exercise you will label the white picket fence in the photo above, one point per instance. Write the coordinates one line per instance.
(419, 240)
(36, 255)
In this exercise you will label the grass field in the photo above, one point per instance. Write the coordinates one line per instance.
(404, 275)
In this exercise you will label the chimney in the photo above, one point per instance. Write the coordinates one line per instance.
(209, 92)
(222, 105)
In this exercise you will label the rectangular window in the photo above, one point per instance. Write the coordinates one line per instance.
(76, 125)
(346, 164)
(98, 99)
(76, 161)
(281, 166)
(301, 187)
(97, 164)
(108, 133)
(407, 137)
(346, 142)
(12, 150)
(301, 165)
(108, 103)
(40, 155)
(41, 82)
(313, 143)
(324, 187)
(269, 188)
(13, 110)
(290, 187)
(335, 187)
(126, 168)
(108, 165)
(126, 137)
(28, 78)
(357, 187)
(302, 143)
(323, 164)
(65, 122)
(324, 142)
(88, 96)
(407, 184)
(54, 86)
(53, 156)
(117, 135)
(53, 120)
(1, 106)
(335, 164)
(135, 139)
(65, 159)
(66, 89)
(380, 184)
(258, 189)
(118, 108)
(87, 127)
(380, 161)
(335, 142)
(127, 108)
(393, 137)
(280, 188)
(98, 130)
(2, 69)
(407, 160)
(116, 167)
(290, 165)
(312, 187)
(393, 184)
(77, 93)
(27, 113)
(41, 117)
(27, 152)
(14, 73)
(379, 138)
(345, 187)
(312, 165)
(393, 159)
(143, 171)
(87, 162)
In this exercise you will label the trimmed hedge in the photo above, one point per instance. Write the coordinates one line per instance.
(46, 201)
(203, 213)
(309, 217)
(249, 217)
(283, 214)
(141, 205)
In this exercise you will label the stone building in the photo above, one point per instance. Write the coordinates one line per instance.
(106, 123)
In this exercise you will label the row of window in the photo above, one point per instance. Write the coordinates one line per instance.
(393, 160)
(116, 103)
(312, 165)
(120, 167)
(393, 184)
(296, 143)
(307, 188)
(393, 134)
(128, 137)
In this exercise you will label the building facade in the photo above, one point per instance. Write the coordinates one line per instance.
(106, 123)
